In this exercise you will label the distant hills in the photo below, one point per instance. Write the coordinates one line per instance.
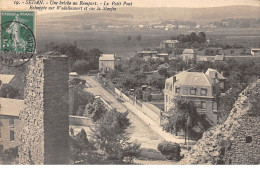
(136, 15)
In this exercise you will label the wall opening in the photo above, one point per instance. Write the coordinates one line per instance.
(248, 139)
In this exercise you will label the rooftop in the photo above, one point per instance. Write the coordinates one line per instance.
(162, 54)
(255, 49)
(73, 74)
(188, 51)
(212, 73)
(11, 107)
(219, 58)
(170, 41)
(148, 51)
(196, 78)
(107, 57)
(193, 79)
(6, 78)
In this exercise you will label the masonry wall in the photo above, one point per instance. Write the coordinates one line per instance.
(45, 119)
(237, 140)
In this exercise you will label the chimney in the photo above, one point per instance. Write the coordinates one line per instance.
(174, 79)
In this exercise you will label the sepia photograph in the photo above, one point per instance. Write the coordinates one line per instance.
(129, 82)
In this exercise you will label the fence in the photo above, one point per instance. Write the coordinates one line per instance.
(139, 103)
(152, 114)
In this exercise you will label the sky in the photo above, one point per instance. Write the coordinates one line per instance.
(9, 4)
(194, 3)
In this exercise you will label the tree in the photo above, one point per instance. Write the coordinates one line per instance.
(81, 99)
(96, 110)
(171, 150)
(81, 148)
(131, 150)
(156, 80)
(202, 37)
(94, 55)
(183, 116)
(110, 135)
(81, 67)
(8, 91)
(138, 37)
(112, 74)
(70, 49)
(164, 72)
(193, 37)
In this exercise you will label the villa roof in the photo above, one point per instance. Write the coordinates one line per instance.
(187, 78)
(213, 73)
(107, 57)
(11, 107)
(194, 79)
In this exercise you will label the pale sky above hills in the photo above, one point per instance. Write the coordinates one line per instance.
(194, 3)
(8, 4)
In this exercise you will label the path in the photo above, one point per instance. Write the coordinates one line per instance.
(142, 129)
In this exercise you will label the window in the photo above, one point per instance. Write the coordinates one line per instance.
(177, 90)
(193, 91)
(198, 104)
(167, 86)
(170, 87)
(203, 92)
(11, 135)
(185, 90)
(0, 134)
(166, 97)
(203, 105)
(214, 106)
(11, 122)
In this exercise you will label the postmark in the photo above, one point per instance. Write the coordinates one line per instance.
(17, 37)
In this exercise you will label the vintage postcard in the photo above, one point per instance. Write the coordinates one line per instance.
(136, 82)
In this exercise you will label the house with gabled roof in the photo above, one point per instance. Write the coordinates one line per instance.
(107, 62)
(201, 88)
(169, 44)
(10, 125)
(188, 54)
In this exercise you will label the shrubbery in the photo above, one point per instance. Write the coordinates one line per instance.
(80, 66)
(109, 144)
(171, 150)
(8, 156)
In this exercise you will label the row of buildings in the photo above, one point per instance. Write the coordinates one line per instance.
(108, 62)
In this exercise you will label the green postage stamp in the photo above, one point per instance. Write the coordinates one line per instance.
(17, 35)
